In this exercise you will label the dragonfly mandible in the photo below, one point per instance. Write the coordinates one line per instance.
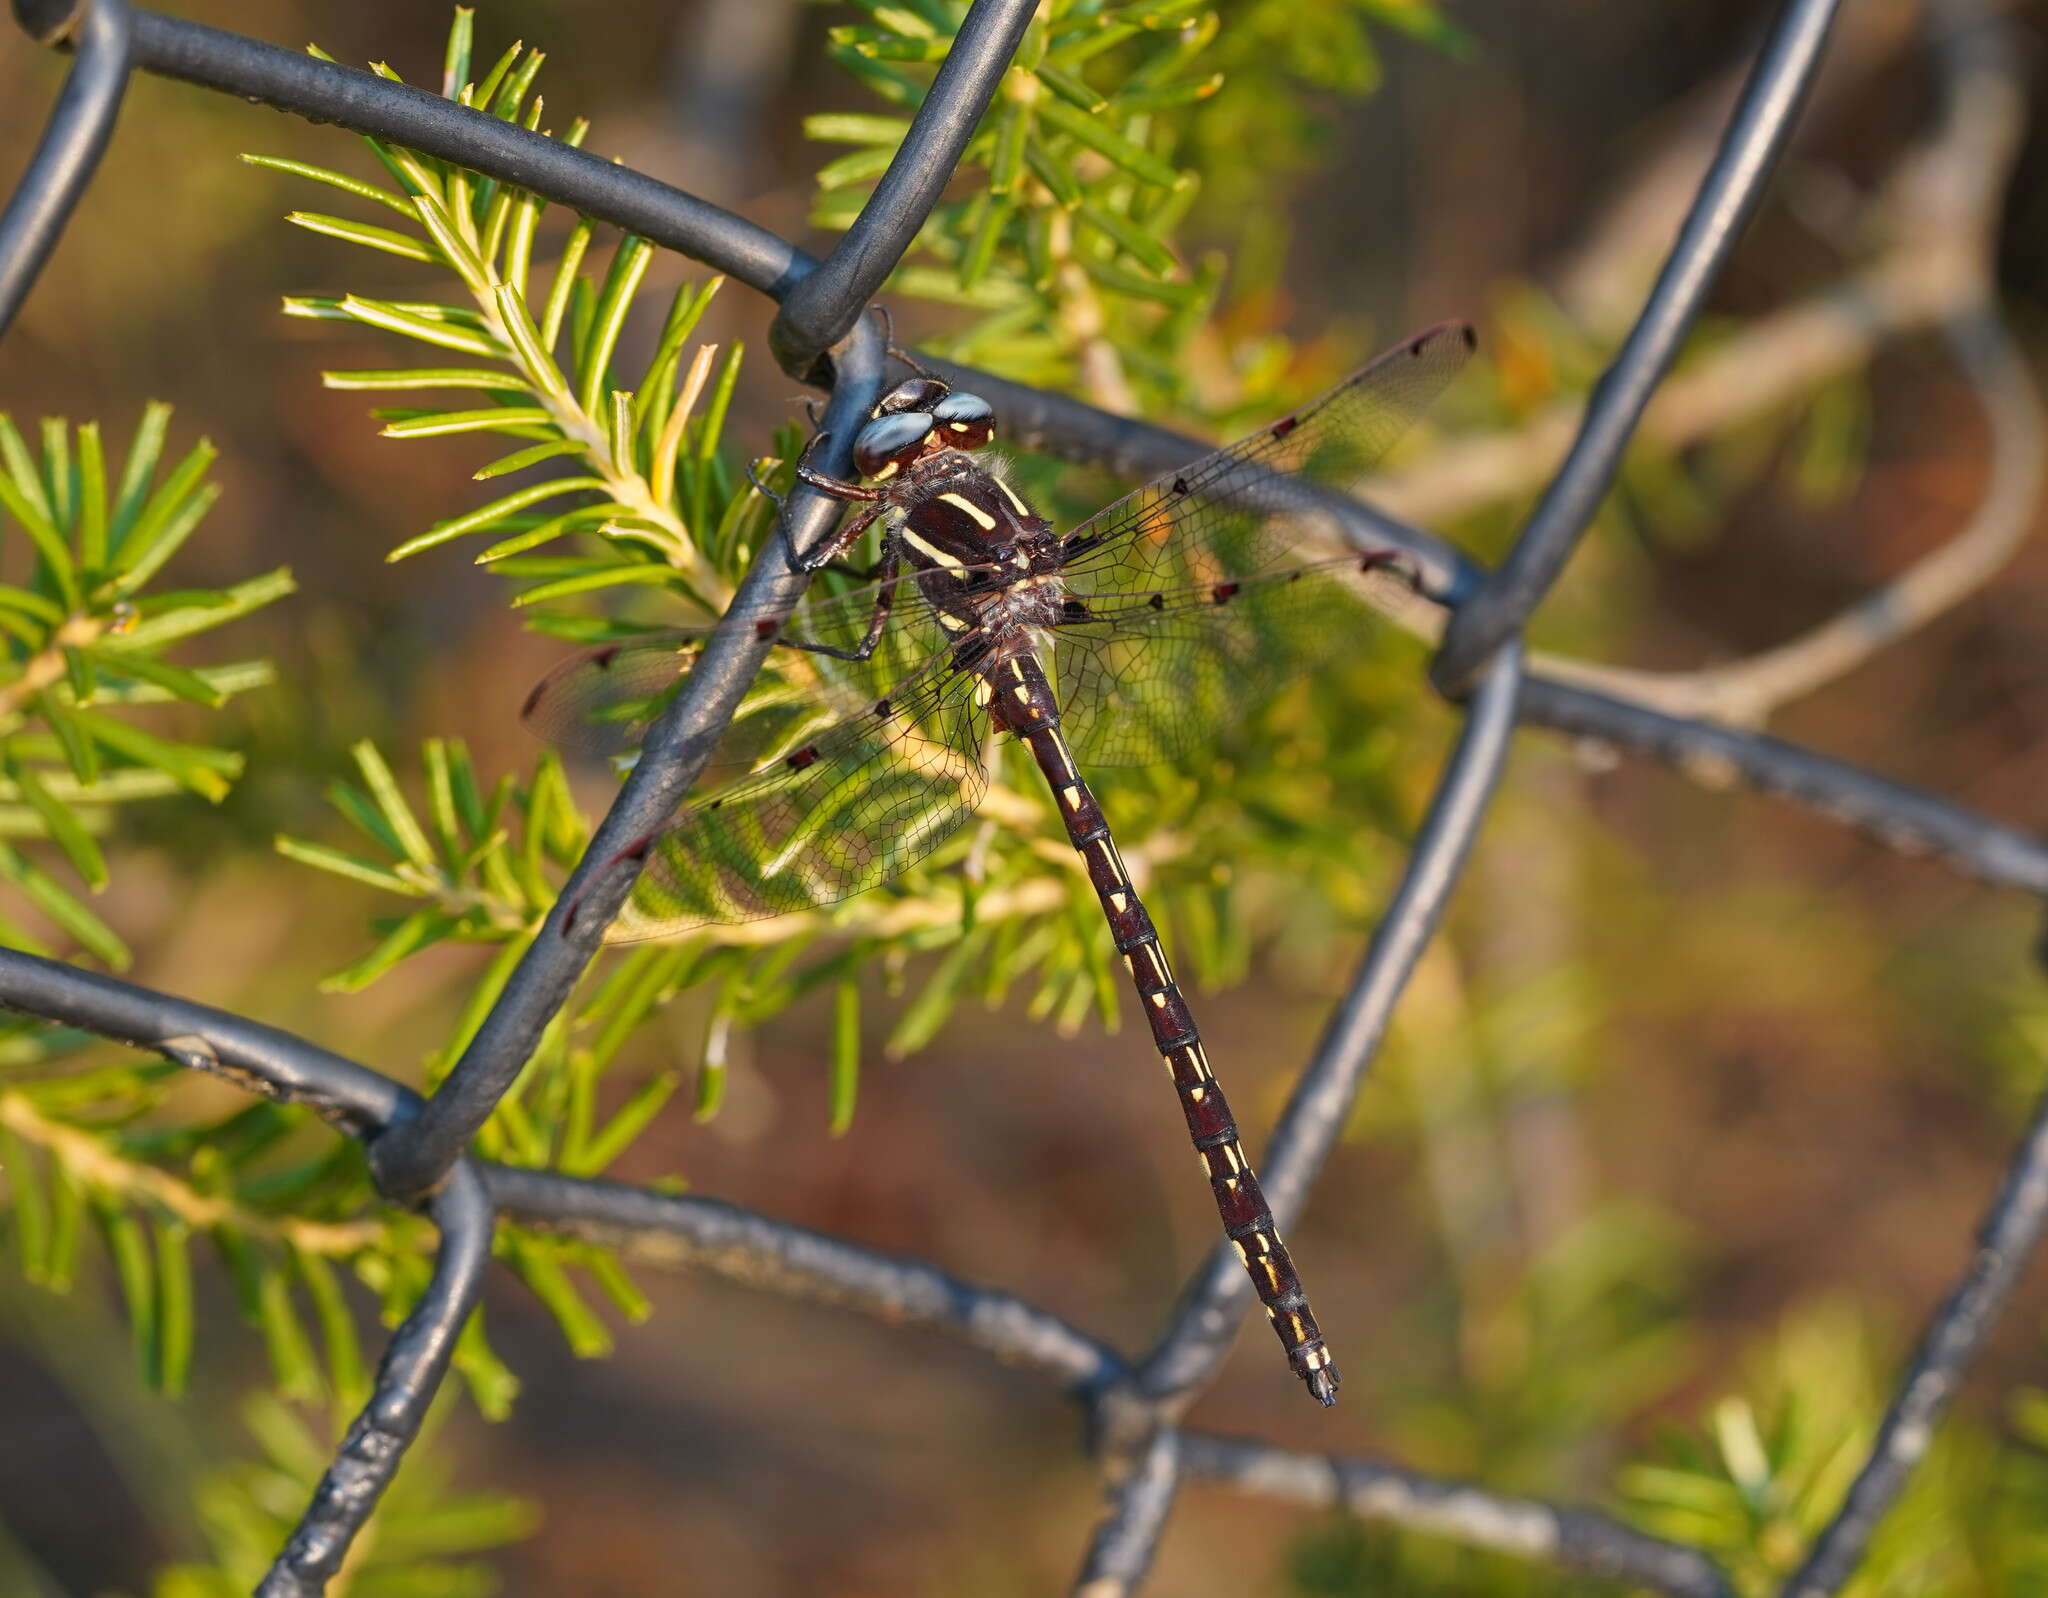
(1119, 643)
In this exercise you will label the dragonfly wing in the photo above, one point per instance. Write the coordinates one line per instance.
(1143, 680)
(1233, 513)
(839, 814)
(603, 700)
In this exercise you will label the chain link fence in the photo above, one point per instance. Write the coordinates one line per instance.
(821, 334)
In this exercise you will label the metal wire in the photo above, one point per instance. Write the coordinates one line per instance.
(358, 1101)
(417, 1146)
(412, 1158)
(1728, 196)
(69, 152)
(821, 309)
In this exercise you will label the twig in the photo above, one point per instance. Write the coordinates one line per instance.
(87, 1157)
(1950, 195)
(1746, 692)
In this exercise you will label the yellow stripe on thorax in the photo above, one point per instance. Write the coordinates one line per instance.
(930, 550)
(982, 519)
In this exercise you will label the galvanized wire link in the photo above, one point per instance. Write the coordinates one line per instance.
(358, 1101)
(420, 120)
(69, 152)
(1727, 197)
(1574, 1539)
(1128, 1535)
(1954, 1337)
(412, 1157)
(410, 1373)
(1902, 819)
(417, 1148)
(820, 310)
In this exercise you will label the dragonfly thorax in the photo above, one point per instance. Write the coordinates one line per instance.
(948, 510)
(951, 512)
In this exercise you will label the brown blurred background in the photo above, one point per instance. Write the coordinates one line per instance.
(1782, 1060)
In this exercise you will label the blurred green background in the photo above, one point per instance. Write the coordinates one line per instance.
(1699, 1097)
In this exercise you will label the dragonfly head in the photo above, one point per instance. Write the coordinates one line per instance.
(964, 421)
(888, 444)
(912, 394)
(920, 417)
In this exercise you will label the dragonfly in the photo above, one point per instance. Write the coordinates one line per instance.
(1128, 640)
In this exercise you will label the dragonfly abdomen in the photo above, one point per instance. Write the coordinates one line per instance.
(1019, 690)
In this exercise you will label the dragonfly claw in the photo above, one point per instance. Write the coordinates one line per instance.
(754, 477)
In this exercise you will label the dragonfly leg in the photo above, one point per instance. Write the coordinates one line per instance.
(834, 488)
(891, 347)
(835, 546)
(767, 493)
(837, 488)
(877, 620)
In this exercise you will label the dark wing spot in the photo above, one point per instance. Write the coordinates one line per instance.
(1470, 335)
(802, 758)
(1374, 561)
(764, 629)
(1285, 426)
(714, 804)
(1418, 346)
(605, 656)
(532, 698)
(1180, 485)
(1075, 610)
(1158, 602)
(882, 709)
(1222, 592)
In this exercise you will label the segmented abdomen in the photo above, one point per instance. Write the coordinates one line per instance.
(1023, 701)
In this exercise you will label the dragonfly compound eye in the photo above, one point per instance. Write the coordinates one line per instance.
(912, 394)
(965, 421)
(889, 443)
